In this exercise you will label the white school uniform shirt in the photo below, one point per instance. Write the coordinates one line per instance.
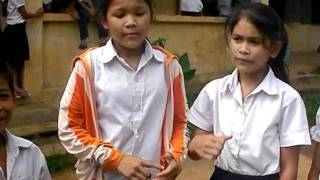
(13, 16)
(315, 130)
(191, 5)
(272, 116)
(24, 160)
(131, 104)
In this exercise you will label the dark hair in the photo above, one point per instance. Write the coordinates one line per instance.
(269, 24)
(108, 2)
(6, 74)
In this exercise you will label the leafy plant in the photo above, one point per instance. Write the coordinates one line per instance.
(188, 71)
(59, 162)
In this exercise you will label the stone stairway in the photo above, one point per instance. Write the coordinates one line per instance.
(304, 68)
(37, 121)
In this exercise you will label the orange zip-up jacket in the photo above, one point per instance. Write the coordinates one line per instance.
(78, 124)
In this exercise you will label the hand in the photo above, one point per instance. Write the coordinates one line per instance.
(208, 146)
(171, 170)
(133, 167)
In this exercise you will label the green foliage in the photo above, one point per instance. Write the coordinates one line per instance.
(312, 103)
(59, 162)
(188, 71)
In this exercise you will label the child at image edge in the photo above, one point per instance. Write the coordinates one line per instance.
(123, 112)
(315, 134)
(251, 121)
(19, 158)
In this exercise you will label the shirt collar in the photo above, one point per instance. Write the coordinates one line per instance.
(268, 85)
(109, 53)
(14, 143)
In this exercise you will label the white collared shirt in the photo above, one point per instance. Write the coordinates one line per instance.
(271, 116)
(315, 130)
(131, 104)
(13, 16)
(191, 5)
(24, 160)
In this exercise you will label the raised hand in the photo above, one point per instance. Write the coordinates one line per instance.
(207, 146)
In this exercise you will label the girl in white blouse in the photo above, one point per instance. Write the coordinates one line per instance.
(251, 121)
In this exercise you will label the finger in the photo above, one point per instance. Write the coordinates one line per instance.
(167, 171)
(227, 137)
(138, 175)
(167, 156)
(211, 155)
(144, 172)
(149, 164)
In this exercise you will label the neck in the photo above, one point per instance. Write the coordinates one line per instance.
(249, 82)
(131, 56)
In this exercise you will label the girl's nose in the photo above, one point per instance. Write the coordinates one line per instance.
(131, 21)
(244, 50)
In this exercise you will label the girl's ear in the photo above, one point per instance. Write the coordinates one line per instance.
(275, 49)
(103, 20)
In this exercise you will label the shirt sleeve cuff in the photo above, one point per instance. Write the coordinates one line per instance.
(112, 162)
(294, 139)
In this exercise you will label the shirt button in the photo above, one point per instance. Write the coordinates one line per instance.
(136, 79)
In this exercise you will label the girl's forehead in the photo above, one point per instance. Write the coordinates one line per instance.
(127, 3)
(245, 27)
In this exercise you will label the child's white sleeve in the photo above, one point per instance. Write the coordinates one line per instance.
(201, 113)
(293, 123)
(18, 3)
(315, 130)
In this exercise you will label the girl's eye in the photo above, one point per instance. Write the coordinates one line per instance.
(255, 42)
(140, 13)
(4, 96)
(236, 39)
(118, 14)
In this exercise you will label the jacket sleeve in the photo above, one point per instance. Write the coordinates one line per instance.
(76, 123)
(179, 137)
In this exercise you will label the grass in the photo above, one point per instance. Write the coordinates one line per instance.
(312, 102)
(60, 162)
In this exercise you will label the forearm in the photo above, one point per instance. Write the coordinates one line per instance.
(289, 160)
(315, 166)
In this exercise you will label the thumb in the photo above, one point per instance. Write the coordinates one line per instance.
(227, 137)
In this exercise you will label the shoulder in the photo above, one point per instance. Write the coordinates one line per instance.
(25, 145)
(17, 3)
(287, 92)
(216, 86)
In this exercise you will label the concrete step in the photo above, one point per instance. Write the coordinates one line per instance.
(27, 100)
(34, 113)
(49, 145)
(304, 63)
(305, 81)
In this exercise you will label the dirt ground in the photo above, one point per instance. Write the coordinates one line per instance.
(201, 170)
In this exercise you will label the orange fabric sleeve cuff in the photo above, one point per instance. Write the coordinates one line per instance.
(112, 162)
